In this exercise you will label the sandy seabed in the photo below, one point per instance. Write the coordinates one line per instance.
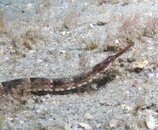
(62, 38)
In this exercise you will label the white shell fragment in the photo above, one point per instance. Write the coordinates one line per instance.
(151, 120)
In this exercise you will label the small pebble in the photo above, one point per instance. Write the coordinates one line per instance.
(29, 6)
(63, 33)
(85, 126)
(117, 41)
(94, 86)
(151, 119)
(42, 110)
(10, 119)
(127, 109)
(88, 116)
(21, 122)
(113, 123)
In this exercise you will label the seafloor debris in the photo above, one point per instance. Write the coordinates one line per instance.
(138, 66)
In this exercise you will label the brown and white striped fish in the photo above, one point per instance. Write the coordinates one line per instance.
(37, 84)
